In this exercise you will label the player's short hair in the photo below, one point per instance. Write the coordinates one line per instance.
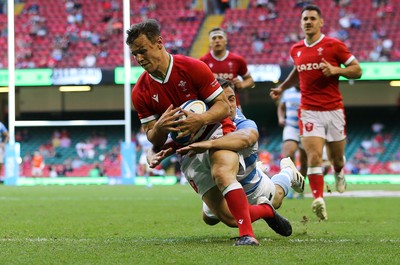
(312, 8)
(149, 27)
(224, 83)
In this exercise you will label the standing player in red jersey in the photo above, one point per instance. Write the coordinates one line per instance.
(168, 82)
(317, 65)
(226, 64)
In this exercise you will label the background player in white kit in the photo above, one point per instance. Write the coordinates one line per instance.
(287, 111)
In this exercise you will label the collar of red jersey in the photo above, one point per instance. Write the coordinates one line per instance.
(314, 43)
(220, 59)
(168, 74)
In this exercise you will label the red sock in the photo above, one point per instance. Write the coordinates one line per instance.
(260, 211)
(239, 207)
(317, 185)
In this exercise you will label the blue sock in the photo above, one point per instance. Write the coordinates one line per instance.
(283, 181)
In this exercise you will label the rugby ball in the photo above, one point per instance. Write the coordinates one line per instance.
(195, 106)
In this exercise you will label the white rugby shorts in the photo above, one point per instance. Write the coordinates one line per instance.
(330, 125)
(266, 189)
(197, 168)
(291, 133)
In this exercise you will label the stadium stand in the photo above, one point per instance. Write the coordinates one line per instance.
(280, 28)
(54, 35)
(72, 33)
(88, 146)
(366, 152)
(61, 35)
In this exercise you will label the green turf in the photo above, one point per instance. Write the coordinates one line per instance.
(162, 225)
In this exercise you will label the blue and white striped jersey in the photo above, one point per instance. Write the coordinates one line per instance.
(247, 174)
(291, 99)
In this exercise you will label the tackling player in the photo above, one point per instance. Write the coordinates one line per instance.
(258, 186)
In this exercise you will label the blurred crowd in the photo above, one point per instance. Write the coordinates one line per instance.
(96, 156)
(86, 41)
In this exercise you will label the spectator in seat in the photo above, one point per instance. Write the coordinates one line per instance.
(53, 171)
(37, 165)
(88, 61)
(96, 171)
(77, 163)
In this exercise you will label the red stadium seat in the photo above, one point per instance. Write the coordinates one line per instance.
(287, 21)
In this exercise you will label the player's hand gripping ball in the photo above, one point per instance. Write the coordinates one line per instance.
(195, 106)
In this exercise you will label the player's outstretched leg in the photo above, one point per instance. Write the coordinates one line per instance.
(297, 179)
(277, 223)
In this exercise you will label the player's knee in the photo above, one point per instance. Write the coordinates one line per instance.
(314, 159)
(209, 221)
(277, 204)
(226, 218)
(229, 222)
(338, 163)
(223, 178)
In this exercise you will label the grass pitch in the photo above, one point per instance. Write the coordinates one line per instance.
(162, 225)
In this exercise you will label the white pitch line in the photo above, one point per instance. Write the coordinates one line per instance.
(360, 194)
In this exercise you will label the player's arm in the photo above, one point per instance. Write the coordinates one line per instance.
(237, 140)
(291, 80)
(281, 113)
(155, 158)
(156, 137)
(234, 141)
(219, 110)
(247, 82)
(157, 130)
(351, 71)
(156, 155)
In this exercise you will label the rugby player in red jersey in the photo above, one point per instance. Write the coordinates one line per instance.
(226, 64)
(167, 82)
(317, 67)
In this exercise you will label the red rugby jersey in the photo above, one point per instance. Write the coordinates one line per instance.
(317, 91)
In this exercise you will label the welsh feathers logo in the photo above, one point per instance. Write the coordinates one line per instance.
(155, 97)
(230, 65)
(182, 83)
(309, 126)
(320, 49)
